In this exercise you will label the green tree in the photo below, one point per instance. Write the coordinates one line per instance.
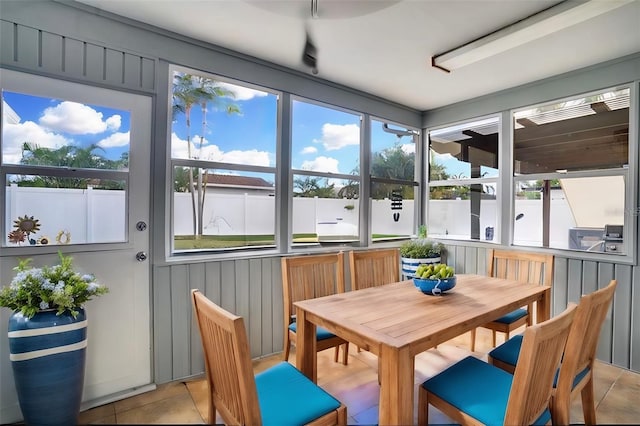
(189, 91)
(392, 163)
(313, 187)
(73, 157)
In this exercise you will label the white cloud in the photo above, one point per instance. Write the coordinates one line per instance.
(252, 157)
(14, 135)
(309, 150)
(178, 147)
(75, 118)
(214, 153)
(115, 140)
(242, 93)
(336, 136)
(408, 148)
(114, 122)
(321, 164)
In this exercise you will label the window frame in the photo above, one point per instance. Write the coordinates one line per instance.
(54, 87)
(499, 233)
(288, 246)
(416, 183)
(172, 163)
(628, 173)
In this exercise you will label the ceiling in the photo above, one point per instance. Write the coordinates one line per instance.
(384, 47)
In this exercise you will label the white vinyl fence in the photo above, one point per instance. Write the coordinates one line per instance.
(91, 216)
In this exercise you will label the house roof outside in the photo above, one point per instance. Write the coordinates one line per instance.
(239, 182)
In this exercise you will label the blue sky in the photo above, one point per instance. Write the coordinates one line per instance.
(53, 123)
(324, 139)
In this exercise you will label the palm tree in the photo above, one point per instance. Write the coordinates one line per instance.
(209, 91)
(188, 91)
(184, 97)
(72, 157)
(392, 163)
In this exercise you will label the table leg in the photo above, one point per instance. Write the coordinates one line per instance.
(543, 306)
(396, 386)
(306, 360)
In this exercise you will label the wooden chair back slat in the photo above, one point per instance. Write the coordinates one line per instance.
(580, 351)
(540, 356)
(533, 268)
(308, 277)
(372, 268)
(227, 362)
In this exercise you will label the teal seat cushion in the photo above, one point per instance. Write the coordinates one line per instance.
(508, 353)
(288, 397)
(512, 316)
(321, 333)
(478, 389)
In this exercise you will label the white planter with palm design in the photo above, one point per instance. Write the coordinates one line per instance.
(410, 265)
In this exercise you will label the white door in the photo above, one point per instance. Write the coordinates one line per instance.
(96, 211)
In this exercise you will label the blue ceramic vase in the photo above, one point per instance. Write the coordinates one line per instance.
(48, 354)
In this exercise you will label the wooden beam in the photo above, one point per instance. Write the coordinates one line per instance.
(600, 107)
(525, 122)
(619, 117)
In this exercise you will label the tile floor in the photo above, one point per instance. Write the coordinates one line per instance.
(617, 391)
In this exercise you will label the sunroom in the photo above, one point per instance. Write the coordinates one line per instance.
(205, 163)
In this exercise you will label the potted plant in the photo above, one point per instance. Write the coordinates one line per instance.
(419, 251)
(48, 338)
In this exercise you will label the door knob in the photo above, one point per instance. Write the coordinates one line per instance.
(141, 256)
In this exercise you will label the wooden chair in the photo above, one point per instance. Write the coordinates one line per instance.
(533, 268)
(371, 268)
(308, 277)
(576, 372)
(474, 392)
(280, 395)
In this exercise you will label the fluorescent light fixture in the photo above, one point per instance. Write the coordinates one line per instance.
(555, 18)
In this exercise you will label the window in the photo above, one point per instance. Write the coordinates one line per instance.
(463, 174)
(223, 157)
(394, 187)
(325, 163)
(570, 173)
(65, 166)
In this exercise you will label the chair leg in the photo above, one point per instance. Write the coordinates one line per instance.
(588, 403)
(559, 411)
(342, 416)
(473, 340)
(493, 337)
(287, 345)
(423, 407)
(345, 353)
(335, 353)
(212, 410)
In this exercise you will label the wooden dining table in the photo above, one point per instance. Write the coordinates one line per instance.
(397, 321)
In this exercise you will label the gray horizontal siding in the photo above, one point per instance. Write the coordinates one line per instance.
(253, 289)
